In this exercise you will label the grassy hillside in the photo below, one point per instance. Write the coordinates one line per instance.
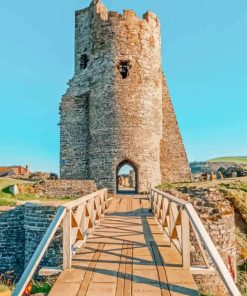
(7, 199)
(233, 159)
(5, 182)
(236, 192)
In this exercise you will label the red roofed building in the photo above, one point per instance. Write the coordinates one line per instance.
(14, 171)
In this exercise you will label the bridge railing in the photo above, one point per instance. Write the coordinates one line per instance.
(77, 218)
(178, 218)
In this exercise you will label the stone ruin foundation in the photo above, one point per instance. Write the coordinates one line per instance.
(21, 230)
(217, 215)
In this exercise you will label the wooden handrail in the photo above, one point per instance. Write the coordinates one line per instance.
(39, 252)
(175, 220)
(212, 251)
(78, 216)
(74, 203)
(171, 197)
(81, 216)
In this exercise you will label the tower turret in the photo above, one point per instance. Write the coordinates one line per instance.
(113, 111)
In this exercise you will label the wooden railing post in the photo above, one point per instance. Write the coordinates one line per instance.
(185, 239)
(67, 247)
(151, 199)
(149, 190)
(105, 201)
(101, 204)
(91, 213)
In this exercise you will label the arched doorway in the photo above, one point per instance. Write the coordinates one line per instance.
(126, 178)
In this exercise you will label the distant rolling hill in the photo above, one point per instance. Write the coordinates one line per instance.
(215, 163)
(232, 159)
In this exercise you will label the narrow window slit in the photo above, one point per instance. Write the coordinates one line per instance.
(84, 61)
(124, 67)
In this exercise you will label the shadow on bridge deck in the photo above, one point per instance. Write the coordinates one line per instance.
(127, 254)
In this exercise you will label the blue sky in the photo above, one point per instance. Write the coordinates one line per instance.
(204, 59)
(125, 169)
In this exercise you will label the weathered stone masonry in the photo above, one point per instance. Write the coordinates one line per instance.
(12, 240)
(21, 230)
(117, 107)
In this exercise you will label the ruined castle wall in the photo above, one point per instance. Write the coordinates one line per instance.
(139, 96)
(37, 219)
(74, 108)
(74, 134)
(21, 230)
(63, 188)
(88, 144)
(124, 115)
(12, 240)
(104, 126)
(173, 159)
(107, 118)
(122, 118)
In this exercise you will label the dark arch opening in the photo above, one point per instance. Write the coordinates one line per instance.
(126, 178)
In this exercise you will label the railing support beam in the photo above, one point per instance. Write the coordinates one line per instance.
(185, 239)
(67, 251)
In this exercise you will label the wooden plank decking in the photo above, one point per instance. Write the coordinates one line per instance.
(127, 254)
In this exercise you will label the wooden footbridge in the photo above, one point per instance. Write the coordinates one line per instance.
(127, 245)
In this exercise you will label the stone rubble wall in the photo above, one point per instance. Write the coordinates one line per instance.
(21, 230)
(58, 188)
(12, 240)
(37, 219)
(217, 215)
(65, 188)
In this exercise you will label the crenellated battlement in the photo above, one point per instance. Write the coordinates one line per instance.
(151, 18)
(128, 15)
(100, 9)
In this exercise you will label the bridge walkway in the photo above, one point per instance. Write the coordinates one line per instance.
(126, 254)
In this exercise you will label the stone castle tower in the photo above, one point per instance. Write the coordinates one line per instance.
(117, 109)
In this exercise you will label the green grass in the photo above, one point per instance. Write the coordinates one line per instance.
(7, 199)
(238, 198)
(241, 186)
(5, 182)
(41, 288)
(168, 186)
(234, 159)
(236, 192)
